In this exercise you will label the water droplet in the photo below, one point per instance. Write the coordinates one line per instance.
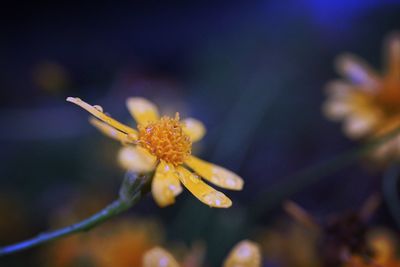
(163, 262)
(215, 198)
(195, 178)
(99, 108)
(244, 251)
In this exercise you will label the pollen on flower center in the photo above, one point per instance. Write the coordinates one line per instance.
(166, 140)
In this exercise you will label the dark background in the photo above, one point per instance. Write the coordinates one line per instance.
(252, 71)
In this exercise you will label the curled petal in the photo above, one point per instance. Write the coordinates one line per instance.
(165, 185)
(215, 174)
(194, 129)
(244, 254)
(98, 113)
(142, 110)
(112, 132)
(357, 71)
(136, 159)
(158, 257)
(201, 190)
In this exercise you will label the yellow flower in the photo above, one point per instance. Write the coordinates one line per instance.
(165, 144)
(367, 102)
(244, 254)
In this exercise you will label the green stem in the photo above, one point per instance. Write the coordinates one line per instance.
(132, 191)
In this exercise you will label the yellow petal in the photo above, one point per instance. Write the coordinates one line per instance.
(158, 257)
(194, 129)
(142, 110)
(112, 132)
(136, 159)
(98, 113)
(215, 174)
(356, 70)
(201, 190)
(244, 254)
(165, 185)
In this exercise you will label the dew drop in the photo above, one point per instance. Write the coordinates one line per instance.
(244, 251)
(215, 198)
(163, 262)
(195, 178)
(99, 108)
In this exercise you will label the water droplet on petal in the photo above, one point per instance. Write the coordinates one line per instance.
(99, 108)
(244, 251)
(163, 262)
(195, 178)
(215, 198)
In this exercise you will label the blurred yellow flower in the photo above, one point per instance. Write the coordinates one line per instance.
(165, 144)
(384, 247)
(119, 243)
(244, 254)
(367, 102)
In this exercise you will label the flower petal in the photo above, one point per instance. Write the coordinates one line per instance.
(136, 159)
(358, 125)
(393, 55)
(215, 174)
(201, 190)
(98, 113)
(158, 257)
(142, 110)
(356, 70)
(165, 185)
(244, 254)
(194, 128)
(112, 132)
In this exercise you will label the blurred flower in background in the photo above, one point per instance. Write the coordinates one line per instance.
(165, 144)
(119, 242)
(344, 239)
(244, 254)
(14, 223)
(368, 102)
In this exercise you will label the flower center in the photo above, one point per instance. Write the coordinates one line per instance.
(166, 140)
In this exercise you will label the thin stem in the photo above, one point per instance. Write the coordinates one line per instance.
(132, 190)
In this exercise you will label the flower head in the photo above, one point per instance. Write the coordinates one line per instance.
(165, 144)
(244, 254)
(367, 102)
